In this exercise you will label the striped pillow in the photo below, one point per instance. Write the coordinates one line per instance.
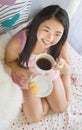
(13, 14)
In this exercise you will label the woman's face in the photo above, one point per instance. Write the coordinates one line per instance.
(49, 33)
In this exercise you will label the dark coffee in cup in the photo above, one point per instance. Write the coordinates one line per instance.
(44, 63)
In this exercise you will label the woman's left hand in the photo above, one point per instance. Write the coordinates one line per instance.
(62, 66)
(60, 63)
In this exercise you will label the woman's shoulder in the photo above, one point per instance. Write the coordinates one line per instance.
(18, 41)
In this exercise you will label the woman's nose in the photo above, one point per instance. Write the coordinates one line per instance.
(50, 37)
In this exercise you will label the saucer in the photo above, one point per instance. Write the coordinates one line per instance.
(45, 85)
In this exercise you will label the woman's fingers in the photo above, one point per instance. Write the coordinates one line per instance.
(59, 63)
(20, 79)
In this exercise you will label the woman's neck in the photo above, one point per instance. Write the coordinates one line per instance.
(38, 49)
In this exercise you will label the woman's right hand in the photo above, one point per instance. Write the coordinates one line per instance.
(23, 80)
(20, 79)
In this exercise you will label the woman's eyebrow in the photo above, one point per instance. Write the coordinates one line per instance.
(47, 27)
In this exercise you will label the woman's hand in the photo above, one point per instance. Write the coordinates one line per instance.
(60, 63)
(62, 66)
(20, 79)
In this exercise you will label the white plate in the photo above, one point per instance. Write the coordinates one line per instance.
(45, 85)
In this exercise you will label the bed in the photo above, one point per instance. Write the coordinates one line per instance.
(69, 120)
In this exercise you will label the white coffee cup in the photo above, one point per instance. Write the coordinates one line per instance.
(44, 63)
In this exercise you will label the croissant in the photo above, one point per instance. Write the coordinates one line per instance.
(35, 89)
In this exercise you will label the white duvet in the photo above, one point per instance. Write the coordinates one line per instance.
(11, 99)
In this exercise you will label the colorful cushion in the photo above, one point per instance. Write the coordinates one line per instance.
(13, 13)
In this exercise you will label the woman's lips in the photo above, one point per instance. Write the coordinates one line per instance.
(46, 42)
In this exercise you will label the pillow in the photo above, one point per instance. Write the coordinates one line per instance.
(13, 13)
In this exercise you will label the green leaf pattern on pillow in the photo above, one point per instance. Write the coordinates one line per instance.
(10, 22)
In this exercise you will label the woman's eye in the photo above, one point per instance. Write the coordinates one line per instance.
(58, 35)
(45, 30)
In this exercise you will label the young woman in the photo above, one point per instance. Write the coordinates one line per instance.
(47, 33)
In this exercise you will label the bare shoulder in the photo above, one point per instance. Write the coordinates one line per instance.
(14, 43)
(66, 45)
(13, 49)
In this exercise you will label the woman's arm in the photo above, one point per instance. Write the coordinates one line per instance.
(65, 52)
(13, 50)
(60, 97)
(66, 75)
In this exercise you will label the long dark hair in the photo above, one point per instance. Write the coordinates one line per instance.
(52, 11)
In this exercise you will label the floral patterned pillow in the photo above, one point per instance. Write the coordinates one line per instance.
(13, 13)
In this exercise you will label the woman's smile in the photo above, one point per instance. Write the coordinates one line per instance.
(46, 42)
